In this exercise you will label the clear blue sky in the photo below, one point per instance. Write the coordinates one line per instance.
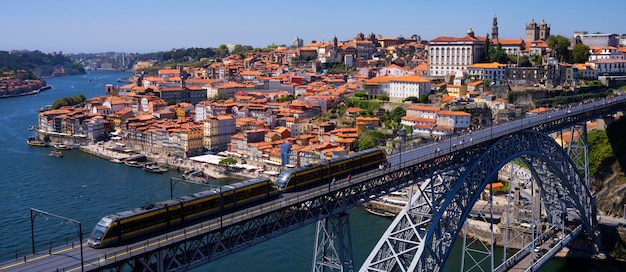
(91, 26)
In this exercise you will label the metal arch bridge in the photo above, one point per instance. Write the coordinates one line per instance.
(435, 167)
(421, 236)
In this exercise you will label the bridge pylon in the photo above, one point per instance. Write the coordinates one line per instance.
(333, 245)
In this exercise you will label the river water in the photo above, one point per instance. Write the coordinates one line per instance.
(85, 188)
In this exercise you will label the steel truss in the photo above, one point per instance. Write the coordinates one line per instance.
(421, 236)
(333, 245)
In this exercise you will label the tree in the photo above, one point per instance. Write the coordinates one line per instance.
(424, 98)
(413, 99)
(498, 54)
(360, 94)
(487, 47)
(227, 161)
(383, 97)
(285, 98)
(396, 114)
(581, 53)
(560, 45)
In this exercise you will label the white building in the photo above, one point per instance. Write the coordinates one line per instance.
(609, 52)
(394, 70)
(447, 55)
(609, 66)
(432, 121)
(398, 88)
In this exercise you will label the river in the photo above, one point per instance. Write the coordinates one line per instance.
(85, 188)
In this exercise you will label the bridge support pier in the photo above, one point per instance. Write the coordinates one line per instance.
(333, 245)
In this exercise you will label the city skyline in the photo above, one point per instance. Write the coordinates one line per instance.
(141, 26)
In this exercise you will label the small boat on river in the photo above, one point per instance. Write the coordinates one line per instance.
(63, 146)
(132, 163)
(32, 141)
(56, 153)
(154, 168)
(380, 212)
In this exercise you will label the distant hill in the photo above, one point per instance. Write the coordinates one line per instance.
(38, 64)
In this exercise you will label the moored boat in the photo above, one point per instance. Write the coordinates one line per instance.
(196, 176)
(133, 163)
(380, 212)
(154, 168)
(32, 141)
(55, 153)
(63, 146)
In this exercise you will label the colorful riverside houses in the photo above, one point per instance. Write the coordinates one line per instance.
(10, 86)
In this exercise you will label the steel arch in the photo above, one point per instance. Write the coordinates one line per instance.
(421, 236)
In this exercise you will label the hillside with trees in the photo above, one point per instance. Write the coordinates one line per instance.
(38, 64)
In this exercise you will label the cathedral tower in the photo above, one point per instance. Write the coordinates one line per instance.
(494, 28)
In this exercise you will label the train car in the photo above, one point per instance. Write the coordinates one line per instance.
(125, 226)
(311, 176)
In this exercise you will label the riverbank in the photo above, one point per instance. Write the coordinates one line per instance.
(47, 87)
(109, 152)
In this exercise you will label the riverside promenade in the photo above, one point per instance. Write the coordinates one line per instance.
(105, 151)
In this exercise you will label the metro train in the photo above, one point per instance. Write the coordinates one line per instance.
(311, 176)
(128, 225)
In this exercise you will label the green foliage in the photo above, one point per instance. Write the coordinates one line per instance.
(360, 94)
(227, 161)
(337, 68)
(369, 139)
(581, 53)
(171, 102)
(45, 64)
(286, 98)
(383, 97)
(536, 60)
(560, 45)
(487, 47)
(424, 99)
(555, 98)
(616, 133)
(599, 149)
(68, 101)
(363, 104)
(347, 123)
(396, 114)
(521, 61)
(497, 54)
(412, 99)
(365, 144)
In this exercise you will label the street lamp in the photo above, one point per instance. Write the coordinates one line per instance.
(172, 184)
(402, 134)
(33, 214)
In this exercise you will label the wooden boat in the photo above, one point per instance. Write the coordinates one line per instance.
(63, 146)
(55, 153)
(34, 142)
(154, 168)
